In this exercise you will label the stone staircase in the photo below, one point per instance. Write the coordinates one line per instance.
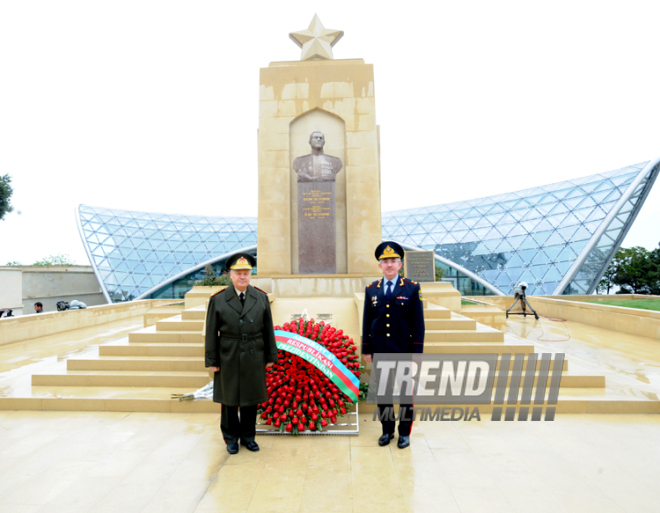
(142, 372)
(580, 392)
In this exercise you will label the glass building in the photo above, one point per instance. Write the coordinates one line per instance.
(558, 238)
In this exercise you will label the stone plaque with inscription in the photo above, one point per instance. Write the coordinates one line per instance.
(317, 247)
(317, 230)
(420, 265)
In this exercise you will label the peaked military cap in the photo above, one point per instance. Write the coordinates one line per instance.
(240, 261)
(389, 249)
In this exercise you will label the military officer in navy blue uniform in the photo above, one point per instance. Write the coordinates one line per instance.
(393, 322)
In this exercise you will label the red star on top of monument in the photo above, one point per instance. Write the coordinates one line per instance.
(317, 41)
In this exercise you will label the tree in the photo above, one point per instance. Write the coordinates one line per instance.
(439, 272)
(5, 196)
(607, 282)
(654, 285)
(636, 272)
(55, 260)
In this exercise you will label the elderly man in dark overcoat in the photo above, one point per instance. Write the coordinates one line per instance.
(240, 344)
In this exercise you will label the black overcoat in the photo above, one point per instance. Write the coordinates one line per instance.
(240, 340)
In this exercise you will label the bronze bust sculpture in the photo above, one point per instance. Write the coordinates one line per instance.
(317, 166)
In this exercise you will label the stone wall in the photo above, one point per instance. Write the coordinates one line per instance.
(48, 285)
(27, 327)
(634, 321)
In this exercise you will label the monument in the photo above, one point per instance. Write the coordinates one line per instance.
(317, 239)
(336, 99)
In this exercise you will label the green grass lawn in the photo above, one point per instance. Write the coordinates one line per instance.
(644, 304)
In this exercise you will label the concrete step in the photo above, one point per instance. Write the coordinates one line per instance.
(565, 405)
(436, 312)
(194, 314)
(138, 363)
(150, 335)
(569, 380)
(453, 336)
(500, 349)
(475, 347)
(450, 324)
(161, 312)
(71, 402)
(140, 349)
(164, 404)
(189, 379)
(177, 324)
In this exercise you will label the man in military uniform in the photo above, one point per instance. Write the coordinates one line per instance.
(393, 322)
(240, 344)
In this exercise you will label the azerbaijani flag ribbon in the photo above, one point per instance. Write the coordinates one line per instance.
(320, 358)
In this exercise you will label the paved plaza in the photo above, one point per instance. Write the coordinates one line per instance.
(142, 462)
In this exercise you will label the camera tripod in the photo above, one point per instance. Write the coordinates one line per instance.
(520, 296)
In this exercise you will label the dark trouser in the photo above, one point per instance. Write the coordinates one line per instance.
(386, 415)
(234, 429)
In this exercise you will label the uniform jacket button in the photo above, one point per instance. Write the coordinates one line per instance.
(388, 334)
(387, 325)
(387, 315)
(387, 306)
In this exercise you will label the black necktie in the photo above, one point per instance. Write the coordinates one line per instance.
(388, 291)
(242, 298)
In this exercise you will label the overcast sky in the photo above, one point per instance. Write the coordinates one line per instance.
(154, 105)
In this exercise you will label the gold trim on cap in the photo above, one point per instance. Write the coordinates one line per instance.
(388, 252)
(241, 263)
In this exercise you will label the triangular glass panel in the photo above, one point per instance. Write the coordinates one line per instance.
(581, 234)
(560, 208)
(553, 251)
(515, 261)
(544, 225)
(528, 255)
(527, 276)
(570, 220)
(582, 213)
(567, 254)
(482, 223)
(596, 214)
(542, 237)
(529, 225)
(528, 243)
(504, 246)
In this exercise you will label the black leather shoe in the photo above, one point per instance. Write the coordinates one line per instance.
(404, 441)
(232, 448)
(251, 446)
(385, 440)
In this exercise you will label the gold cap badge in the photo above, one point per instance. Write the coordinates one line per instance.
(241, 263)
(388, 252)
